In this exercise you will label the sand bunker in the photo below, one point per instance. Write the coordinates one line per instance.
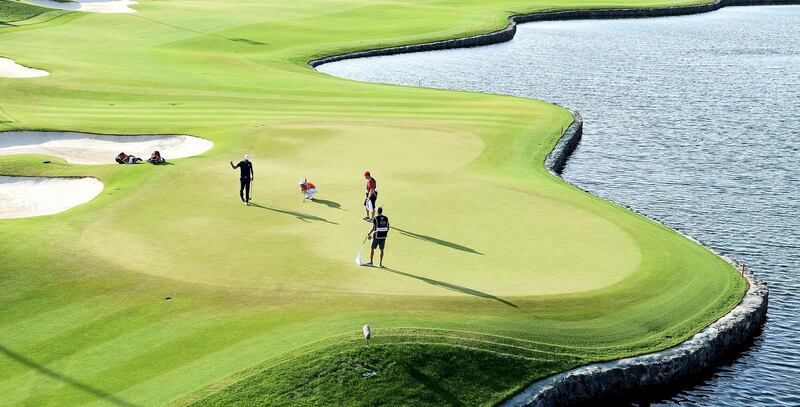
(84, 148)
(89, 6)
(23, 197)
(11, 69)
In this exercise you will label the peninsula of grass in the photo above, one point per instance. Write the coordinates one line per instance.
(166, 289)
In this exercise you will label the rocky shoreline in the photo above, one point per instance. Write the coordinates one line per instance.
(654, 370)
(657, 370)
(566, 145)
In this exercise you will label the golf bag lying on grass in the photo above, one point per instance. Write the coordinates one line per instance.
(123, 158)
(156, 158)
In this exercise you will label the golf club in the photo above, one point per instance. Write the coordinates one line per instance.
(358, 256)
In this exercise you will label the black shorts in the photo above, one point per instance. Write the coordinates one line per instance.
(376, 243)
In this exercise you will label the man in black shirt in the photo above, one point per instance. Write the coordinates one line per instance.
(247, 175)
(378, 234)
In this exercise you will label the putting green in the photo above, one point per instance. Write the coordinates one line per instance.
(166, 288)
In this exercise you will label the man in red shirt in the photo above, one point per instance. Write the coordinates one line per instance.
(308, 189)
(372, 196)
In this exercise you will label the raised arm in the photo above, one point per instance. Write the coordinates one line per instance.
(234, 166)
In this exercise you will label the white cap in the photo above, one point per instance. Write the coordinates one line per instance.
(302, 181)
(247, 157)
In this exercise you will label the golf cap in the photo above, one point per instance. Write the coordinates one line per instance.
(302, 181)
(366, 174)
(247, 157)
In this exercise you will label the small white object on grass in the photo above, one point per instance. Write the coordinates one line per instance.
(367, 332)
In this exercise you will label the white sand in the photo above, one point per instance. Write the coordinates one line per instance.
(83, 148)
(11, 69)
(23, 197)
(89, 6)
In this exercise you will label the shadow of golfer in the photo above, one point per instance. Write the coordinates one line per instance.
(299, 215)
(434, 240)
(101, 394)
(329, 204)
(246, 41)
(453, 287)
(433, 385)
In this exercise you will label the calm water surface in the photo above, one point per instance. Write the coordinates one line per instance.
(692, 120)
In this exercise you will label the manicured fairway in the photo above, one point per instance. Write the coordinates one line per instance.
(499, 273)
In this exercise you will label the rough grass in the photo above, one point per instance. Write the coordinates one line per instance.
(380, 374)
(572, 280)
(11, 11)
(14, 13)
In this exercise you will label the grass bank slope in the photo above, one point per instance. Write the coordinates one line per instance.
(15, 13)
(165, 288)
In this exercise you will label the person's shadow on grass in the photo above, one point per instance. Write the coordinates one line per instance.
(329, 204)
(86, 388)
(299, 215)
(433, 385)
(453, 287)
(434, 240)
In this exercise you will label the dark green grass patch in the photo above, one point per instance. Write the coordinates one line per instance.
(11, 11)
(371, 374)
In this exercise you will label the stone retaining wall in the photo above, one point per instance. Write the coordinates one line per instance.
(661, 369)
(566, 145)
(655, 370)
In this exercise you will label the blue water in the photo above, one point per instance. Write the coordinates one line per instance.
(692, 120)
